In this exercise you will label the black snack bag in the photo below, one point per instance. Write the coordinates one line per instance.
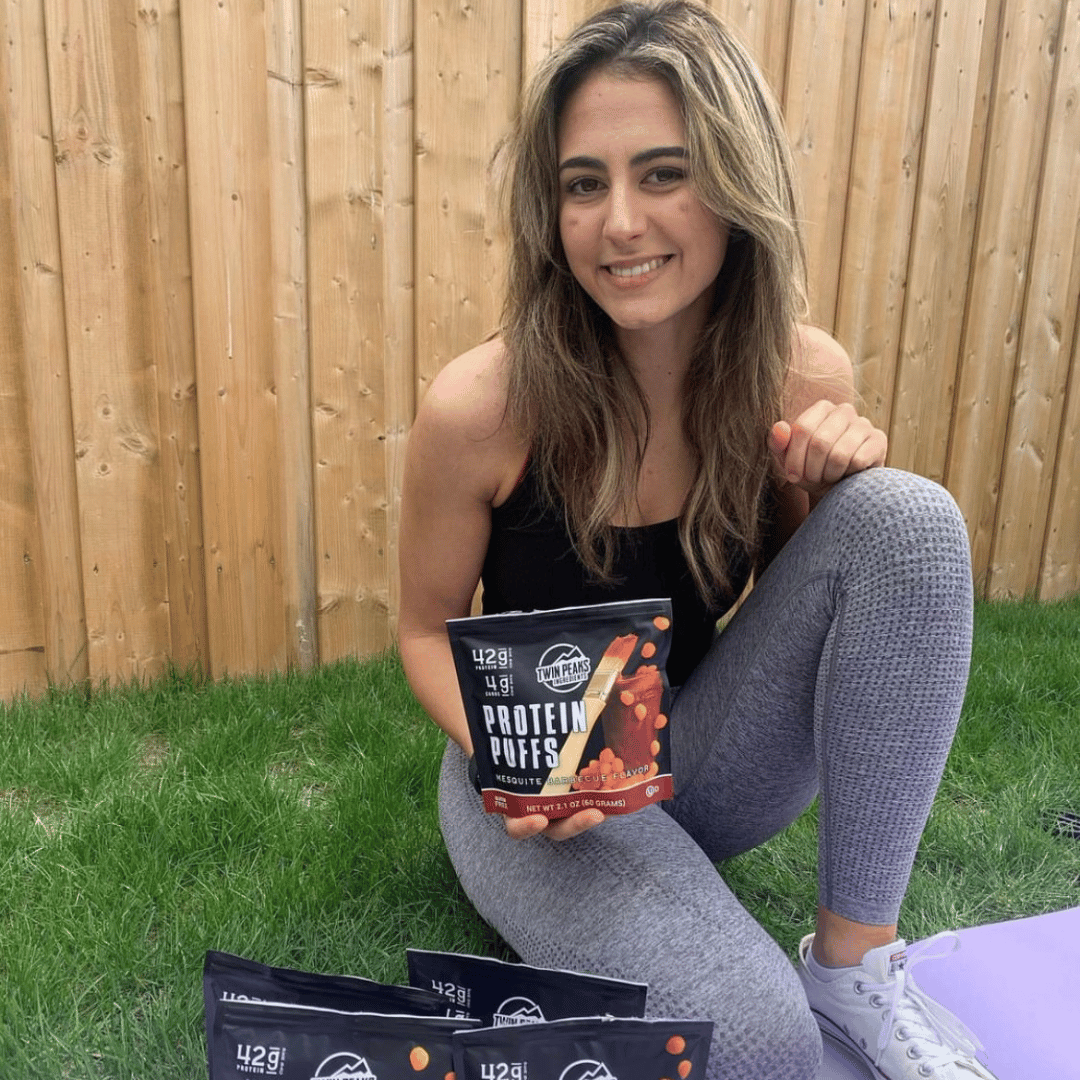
(509, 995)
(534, 686)
(299, 1042)
(586, 1049)
(233, 978)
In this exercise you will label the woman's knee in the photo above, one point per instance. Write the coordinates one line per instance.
(900, 521)
(879, 496)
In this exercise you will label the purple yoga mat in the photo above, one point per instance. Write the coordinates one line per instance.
(1015, 985)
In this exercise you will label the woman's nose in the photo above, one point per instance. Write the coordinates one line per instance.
(625, 218)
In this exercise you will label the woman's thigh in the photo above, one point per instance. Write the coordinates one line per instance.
(637, 899)
(742, 728)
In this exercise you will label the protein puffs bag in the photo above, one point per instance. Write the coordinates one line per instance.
(508, 995)
(300, 1042)
(229, 978)
(568, 709)
(586, 1049)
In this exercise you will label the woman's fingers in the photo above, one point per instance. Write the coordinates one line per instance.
(562, 829)
(574, 825)
(826, 443)
(523, 827)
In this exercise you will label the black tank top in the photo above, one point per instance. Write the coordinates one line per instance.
(531, 565)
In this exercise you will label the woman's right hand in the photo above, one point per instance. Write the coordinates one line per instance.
(560, 829)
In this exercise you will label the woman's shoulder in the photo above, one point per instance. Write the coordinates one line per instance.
(469, 394)
(820, 368)
(818, 354)
(471, 389)
(462, 419)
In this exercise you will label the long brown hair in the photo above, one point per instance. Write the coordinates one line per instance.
(571, 396)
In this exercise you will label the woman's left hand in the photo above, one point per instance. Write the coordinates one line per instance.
(825, 443)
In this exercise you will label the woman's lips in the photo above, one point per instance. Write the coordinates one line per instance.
(628, 271)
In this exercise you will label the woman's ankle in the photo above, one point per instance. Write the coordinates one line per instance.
(840, 942)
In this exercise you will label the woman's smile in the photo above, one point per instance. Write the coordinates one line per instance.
(636, 270)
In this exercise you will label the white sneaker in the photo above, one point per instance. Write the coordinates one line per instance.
(877, 1010)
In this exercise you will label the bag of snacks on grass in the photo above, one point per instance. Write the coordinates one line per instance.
(509, 995)
(229, 978)
(568, 708)
(586, 1049)
(268, 1039)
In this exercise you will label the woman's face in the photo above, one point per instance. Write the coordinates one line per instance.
(636, 236)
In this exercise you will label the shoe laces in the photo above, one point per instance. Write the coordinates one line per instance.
(937, 1036)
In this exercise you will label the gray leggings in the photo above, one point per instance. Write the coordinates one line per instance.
(842, 675)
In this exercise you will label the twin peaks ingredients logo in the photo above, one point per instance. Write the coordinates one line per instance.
(515, 1011)
(563, 668)
(344, 1066)
(587, 1070)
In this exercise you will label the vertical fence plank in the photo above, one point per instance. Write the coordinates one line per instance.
(102, 195)
(819, 104)
(291, 343)
(32, 285)
(344, 108)
(944, 227)
(765, 26)
(399, 318)
(821, 92)
(1059, 575)
(1003, 249)
(22, 630)
(1050, 313)
(881, 196)
(471, 57)
(169, 309)
(224, 65)
(545, 23)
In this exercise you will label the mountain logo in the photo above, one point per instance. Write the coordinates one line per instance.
(563, 668)
(344, 1066)
(515, 1011)
(586, 1070)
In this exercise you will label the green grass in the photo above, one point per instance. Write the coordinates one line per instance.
(292, 819)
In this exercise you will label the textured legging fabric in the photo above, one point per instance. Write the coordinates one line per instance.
(841, 676)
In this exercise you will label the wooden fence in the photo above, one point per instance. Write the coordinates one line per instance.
(238, 238)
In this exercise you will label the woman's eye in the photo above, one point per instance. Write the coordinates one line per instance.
(666, 175)
(583, 185)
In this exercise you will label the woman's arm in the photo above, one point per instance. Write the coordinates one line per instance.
(462, 460)
(457, 463)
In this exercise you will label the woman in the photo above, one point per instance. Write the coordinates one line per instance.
(653, 417)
